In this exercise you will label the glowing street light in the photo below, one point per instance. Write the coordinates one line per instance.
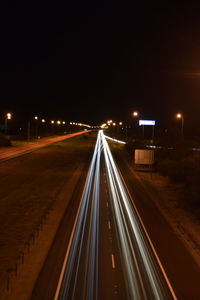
(36, 127)
(120, 123)
(52, 122)
(135, 114)
(179, 116)
(58, 122)
(63, 122)
(43, 120)
(8, 117)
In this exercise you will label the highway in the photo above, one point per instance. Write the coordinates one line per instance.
(109, 253)
(12, 152)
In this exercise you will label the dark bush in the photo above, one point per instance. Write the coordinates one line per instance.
(4, 140)
(176, 170)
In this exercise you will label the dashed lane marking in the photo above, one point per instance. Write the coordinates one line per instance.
(113, 261)
(109, 225)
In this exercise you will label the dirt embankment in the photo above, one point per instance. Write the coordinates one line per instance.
(34, 191)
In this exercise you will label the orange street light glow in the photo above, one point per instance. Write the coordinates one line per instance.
(9, 116)
(179, 116)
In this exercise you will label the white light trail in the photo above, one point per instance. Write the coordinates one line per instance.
(144, 278)
(88, 210)
(113, 261)
(144, 275)
(114, 140)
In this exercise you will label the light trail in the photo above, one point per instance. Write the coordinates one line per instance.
(85, 241)
(142, 270)
(113, 261)
(12, 152)
(114, 140)
(109, 225)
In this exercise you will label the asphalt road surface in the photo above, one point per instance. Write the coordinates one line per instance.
(114, 243)
(179, 264)
(104, 251)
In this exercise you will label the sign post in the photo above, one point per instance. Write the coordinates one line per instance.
(148, 123)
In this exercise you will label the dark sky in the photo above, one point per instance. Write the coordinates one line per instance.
(90, 62)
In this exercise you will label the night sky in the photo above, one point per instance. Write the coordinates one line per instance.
(90, 62)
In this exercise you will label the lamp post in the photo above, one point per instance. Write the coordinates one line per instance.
(119, 125)
(179, 116)
(36, 126)
(8, 117)
(52, 127)
(114, 129)
(45, 130)
(28, 130)
(58, 129)
(136, 115)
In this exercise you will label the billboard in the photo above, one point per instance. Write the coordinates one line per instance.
(144, 157)
(147, 122)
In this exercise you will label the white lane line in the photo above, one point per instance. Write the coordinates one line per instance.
(109, 225)
(148, 237)
(113, 261)
(113, 170)
(67, 254)
(56, 297)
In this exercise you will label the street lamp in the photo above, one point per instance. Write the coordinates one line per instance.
(179, 116)
(43, 120)
(36, 127)
(8, 117)
(135, 114)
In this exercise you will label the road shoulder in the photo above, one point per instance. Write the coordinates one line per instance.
(21, 286)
